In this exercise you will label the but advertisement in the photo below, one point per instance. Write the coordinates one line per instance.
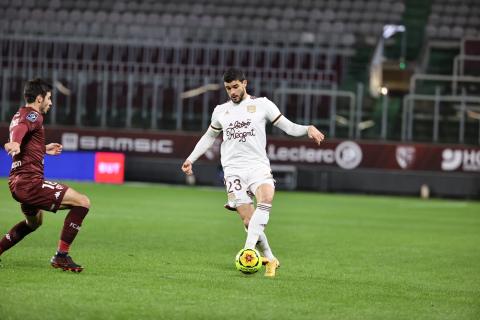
(104, 167)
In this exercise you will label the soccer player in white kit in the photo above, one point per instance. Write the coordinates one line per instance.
(244, 159)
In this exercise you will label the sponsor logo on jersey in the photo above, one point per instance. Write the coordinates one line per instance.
(57, 194)
(405, 156)
(16, 164)
(32, 116)
(236, 131)
(252, 108)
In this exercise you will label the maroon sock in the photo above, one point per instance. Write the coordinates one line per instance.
(71, 226)
(17, 233)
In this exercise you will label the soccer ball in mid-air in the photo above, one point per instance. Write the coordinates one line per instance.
(248, 261)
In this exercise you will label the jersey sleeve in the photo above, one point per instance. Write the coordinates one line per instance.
(215, 122)
(272, 112)
(17, 132)
(32, 120)
(23, 123)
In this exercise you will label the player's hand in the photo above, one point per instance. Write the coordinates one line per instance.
(54, 149)
(12, 148)
(315, 135)
(187, 168)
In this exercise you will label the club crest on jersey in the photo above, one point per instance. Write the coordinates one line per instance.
(32, 116)
(251, 108)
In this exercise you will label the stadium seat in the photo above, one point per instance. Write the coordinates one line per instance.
(28, 4)
(444, 32)
(113, 17)
(22, 14)
(93, 5)
(89, 16)
(127, 18)
(95, 29)
(75, 15)
(153, 19)
(457, 32)
(431, 31)
(69, 28)
(62, 15)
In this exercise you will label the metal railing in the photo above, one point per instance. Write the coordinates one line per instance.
(141, 94)
(456, 102)
(409, 114)
(280, 98)
(459, 63)
(132, 95)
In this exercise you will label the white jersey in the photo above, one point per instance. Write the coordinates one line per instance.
(244, 137)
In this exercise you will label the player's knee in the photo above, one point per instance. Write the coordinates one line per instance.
(267, 199)
(246, 221)
(34, 224)
(84, 201)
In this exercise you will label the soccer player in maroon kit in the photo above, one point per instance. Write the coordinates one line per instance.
(27, 185)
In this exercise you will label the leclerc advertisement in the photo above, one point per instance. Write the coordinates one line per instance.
(105, 167)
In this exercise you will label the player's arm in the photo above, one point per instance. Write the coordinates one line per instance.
(17, 133)
(53, 149)
(290, 128)
(297, 130)
(205, 142)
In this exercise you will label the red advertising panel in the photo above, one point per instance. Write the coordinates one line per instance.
(109, 167)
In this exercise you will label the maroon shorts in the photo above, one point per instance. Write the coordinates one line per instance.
(38, 194)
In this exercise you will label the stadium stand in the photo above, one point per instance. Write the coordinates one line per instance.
(154, 50)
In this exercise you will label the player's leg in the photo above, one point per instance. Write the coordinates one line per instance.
(245, 212)
(79, 206)
(240, 199)
(33, 220)
(264, 194)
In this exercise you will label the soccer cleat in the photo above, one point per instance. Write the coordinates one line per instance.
(271, 267)
(65, 263)
(226, 206)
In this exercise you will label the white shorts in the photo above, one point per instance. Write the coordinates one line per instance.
(241, 185)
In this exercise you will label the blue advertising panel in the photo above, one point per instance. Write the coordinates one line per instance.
(68, 165)
(5, 163)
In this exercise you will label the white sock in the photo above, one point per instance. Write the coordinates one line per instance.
(257, 224)
(264, 247)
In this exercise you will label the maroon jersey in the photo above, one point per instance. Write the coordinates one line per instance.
(27, 127)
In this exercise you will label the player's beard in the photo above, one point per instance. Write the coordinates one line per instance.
(240, 97)
(44, 109)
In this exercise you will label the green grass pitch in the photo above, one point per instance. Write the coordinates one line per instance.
(164, 252)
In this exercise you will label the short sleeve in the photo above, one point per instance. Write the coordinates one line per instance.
(272, 111)
(215, 123)
(32, 120)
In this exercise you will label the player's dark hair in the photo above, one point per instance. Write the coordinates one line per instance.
(36, 87)
(233, 74)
